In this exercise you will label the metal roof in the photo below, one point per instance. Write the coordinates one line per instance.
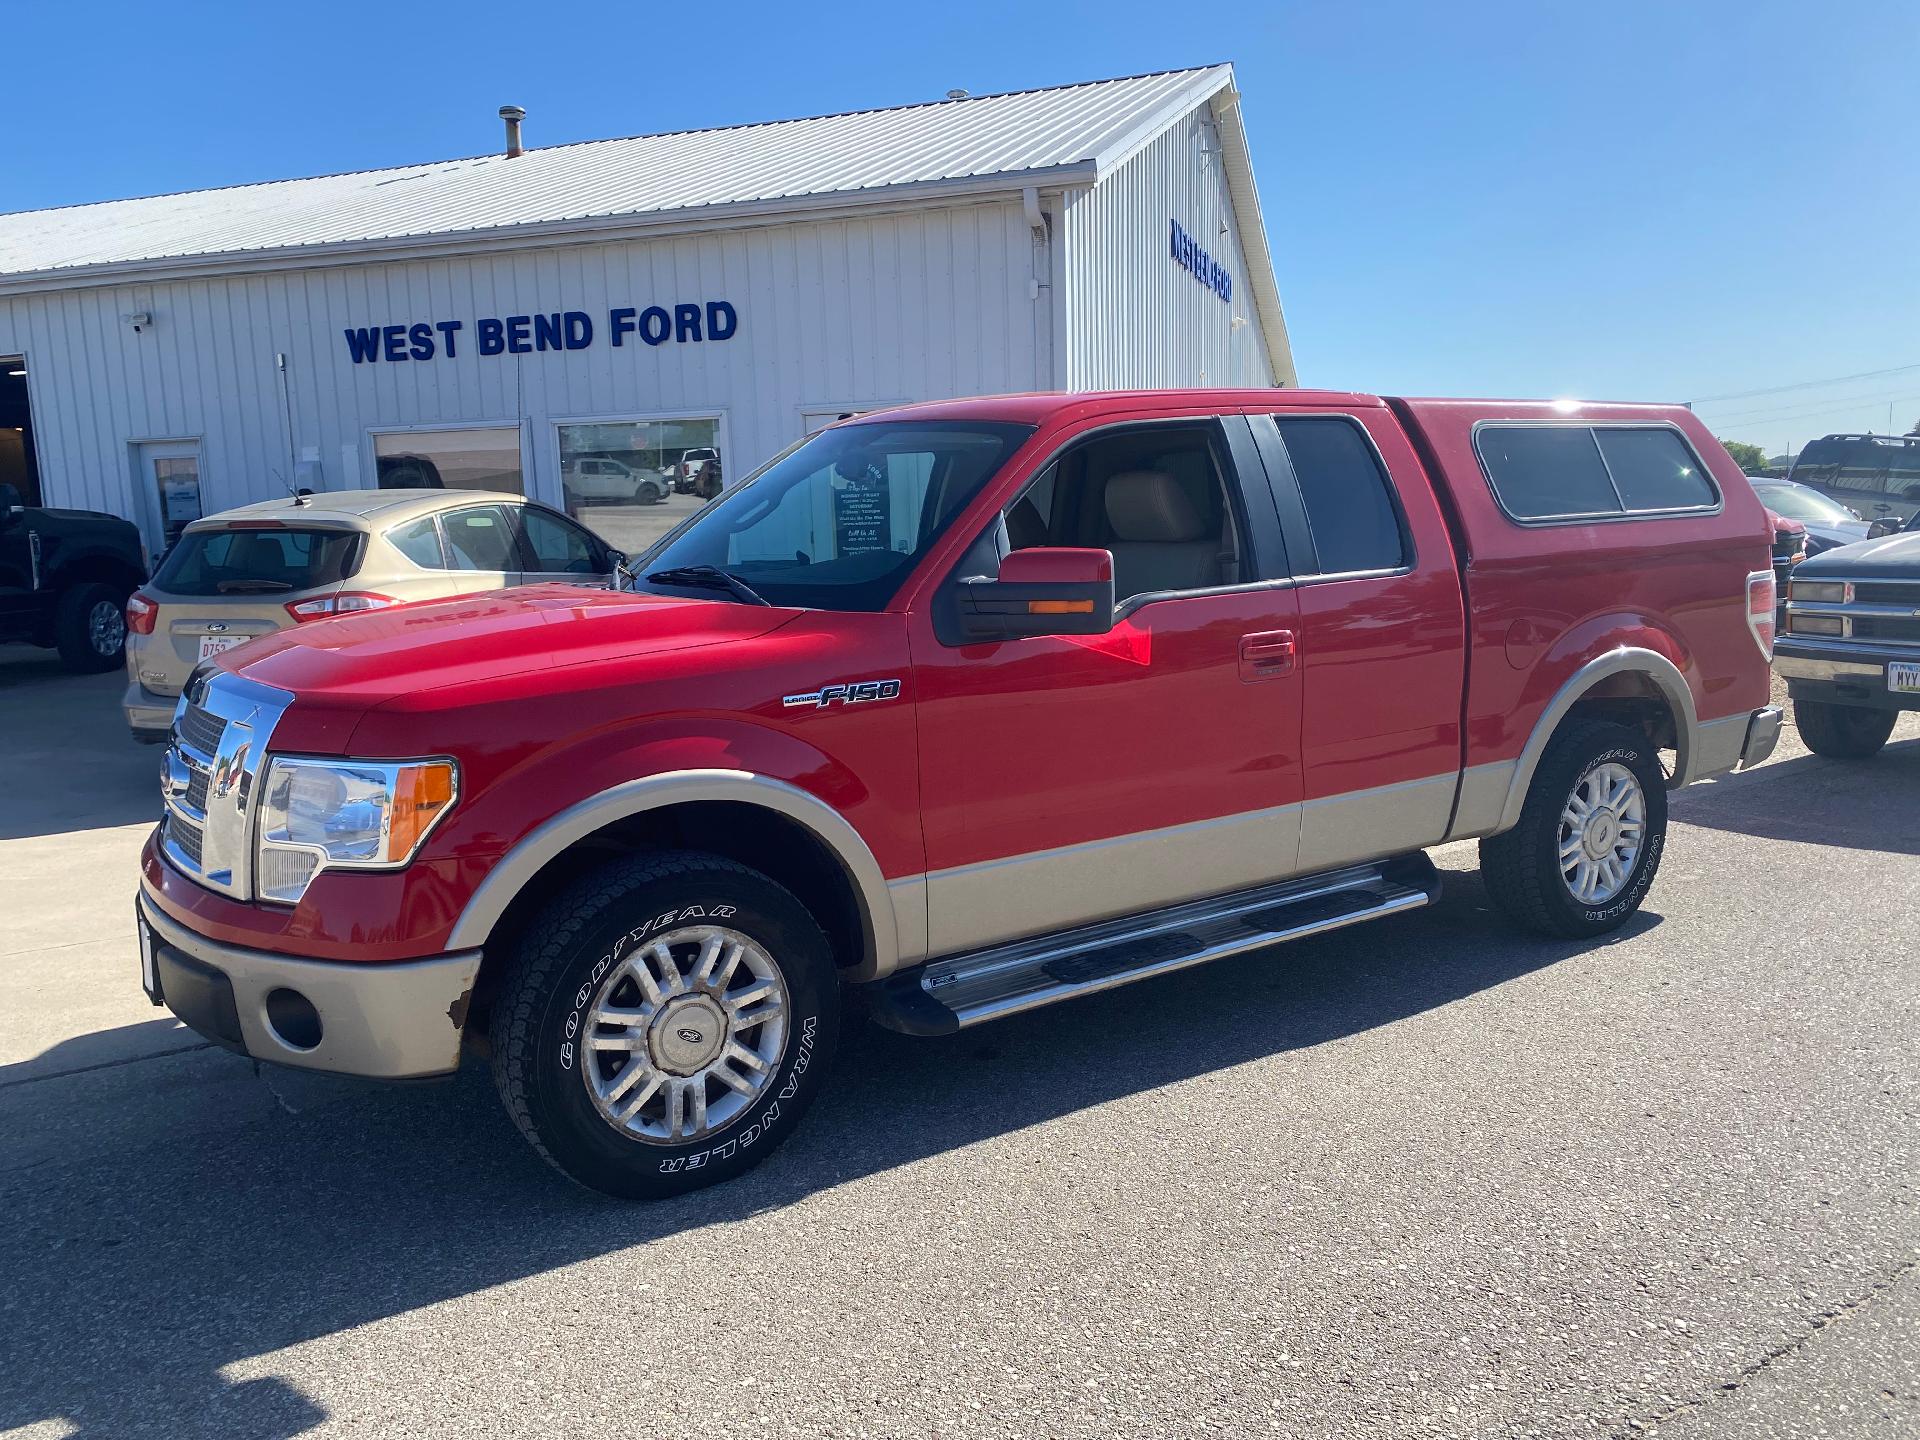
(1070, 132)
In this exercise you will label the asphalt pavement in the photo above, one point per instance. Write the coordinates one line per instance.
(1426, 1177)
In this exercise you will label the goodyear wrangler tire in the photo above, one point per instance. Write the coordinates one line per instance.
(665, 1023)
(1590, 835)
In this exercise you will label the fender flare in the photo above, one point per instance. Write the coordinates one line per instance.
(1625, 660)
(532, 852)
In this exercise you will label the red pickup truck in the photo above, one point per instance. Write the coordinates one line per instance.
(975, 706)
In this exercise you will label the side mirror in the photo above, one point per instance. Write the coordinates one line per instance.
(1885, 525)
(1047, 591)
(10, 505)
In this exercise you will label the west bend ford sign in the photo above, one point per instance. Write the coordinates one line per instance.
(555, 330)
(1207, 270)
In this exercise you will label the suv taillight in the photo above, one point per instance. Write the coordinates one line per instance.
(1760, 610)
(350, 603)
(141, 613)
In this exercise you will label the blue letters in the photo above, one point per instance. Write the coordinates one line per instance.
(686, 322)
(1204, 268)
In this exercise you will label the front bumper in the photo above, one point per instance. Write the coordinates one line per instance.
(393, 1021)
(1843, 674)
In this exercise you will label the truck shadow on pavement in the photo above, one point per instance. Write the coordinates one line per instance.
(1855, 804)
(136, 1272)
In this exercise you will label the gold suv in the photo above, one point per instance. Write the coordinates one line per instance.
(263, 567)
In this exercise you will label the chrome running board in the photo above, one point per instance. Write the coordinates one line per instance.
(950, 994)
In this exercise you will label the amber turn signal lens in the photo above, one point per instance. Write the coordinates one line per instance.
(420, 793)
(1060, 607)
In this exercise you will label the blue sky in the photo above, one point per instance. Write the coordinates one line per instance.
(1635, 201)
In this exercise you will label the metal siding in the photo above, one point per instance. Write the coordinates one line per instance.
(646, 175)
(1135, 316)
(913, 306)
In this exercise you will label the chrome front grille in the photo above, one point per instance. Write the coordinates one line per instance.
(199, 729)
(186, 837)
(220, 734)
(1883, 612)
(196, 786)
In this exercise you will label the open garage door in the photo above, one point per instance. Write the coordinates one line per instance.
(17, 465)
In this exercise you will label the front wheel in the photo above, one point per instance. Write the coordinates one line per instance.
(1590, 834)
(666, 1021)
(1842, 732)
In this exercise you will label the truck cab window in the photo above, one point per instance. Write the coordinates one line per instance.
(1350, 509)
(1155, 497)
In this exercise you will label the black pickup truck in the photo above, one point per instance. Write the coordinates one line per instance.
(64, 580)
(1850, 646)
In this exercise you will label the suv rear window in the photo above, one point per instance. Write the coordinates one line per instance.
(1578, 472)
(237, 562)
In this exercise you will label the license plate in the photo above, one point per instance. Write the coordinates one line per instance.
(1903, 677)
(212, 645)
(149, 973)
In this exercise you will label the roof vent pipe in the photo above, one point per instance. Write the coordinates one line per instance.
(513, 115)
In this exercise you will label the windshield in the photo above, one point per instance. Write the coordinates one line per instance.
(230, 562)
(838, 522)
(1800, 504)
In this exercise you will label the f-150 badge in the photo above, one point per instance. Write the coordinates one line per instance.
(857, 693)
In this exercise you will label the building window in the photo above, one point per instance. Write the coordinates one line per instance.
(486, 459)
(631, 481)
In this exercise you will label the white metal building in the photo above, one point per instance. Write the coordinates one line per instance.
(556, 319)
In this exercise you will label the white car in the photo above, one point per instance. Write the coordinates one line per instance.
(599, 480)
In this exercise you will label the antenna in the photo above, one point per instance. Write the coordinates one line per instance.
(299, 496)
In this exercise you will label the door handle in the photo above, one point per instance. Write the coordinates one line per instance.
(1266, 655)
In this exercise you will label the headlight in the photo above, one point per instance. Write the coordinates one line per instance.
(345, 814)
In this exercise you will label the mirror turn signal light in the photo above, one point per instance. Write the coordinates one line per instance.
(1060, 607)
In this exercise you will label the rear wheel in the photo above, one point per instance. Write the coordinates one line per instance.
(90, 628)
(1842, 732)
(665, 1023)
(1590, 834)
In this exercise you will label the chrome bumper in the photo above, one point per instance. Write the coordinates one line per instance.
(393, 1021)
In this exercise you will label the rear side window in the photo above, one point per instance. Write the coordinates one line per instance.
(1576, 472)
(419, 541)
(1653, 470)
(479, 538)
(1350, 511)
(258, 562)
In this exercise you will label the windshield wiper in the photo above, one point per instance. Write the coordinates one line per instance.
(710, 577)
(252, 587)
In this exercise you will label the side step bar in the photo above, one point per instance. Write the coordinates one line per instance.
(950, 994)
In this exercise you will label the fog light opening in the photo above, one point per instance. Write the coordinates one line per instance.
(293, 1020)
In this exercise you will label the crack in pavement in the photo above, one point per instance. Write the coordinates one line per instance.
(105, 1065)
(1824, 1322)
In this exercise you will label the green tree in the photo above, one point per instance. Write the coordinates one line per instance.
(1748, 457)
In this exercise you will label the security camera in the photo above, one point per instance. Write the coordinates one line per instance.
(139, 320)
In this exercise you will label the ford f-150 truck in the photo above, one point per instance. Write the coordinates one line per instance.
(975, 706)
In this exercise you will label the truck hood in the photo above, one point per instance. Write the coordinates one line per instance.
(1891, 557)
(358, 661)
